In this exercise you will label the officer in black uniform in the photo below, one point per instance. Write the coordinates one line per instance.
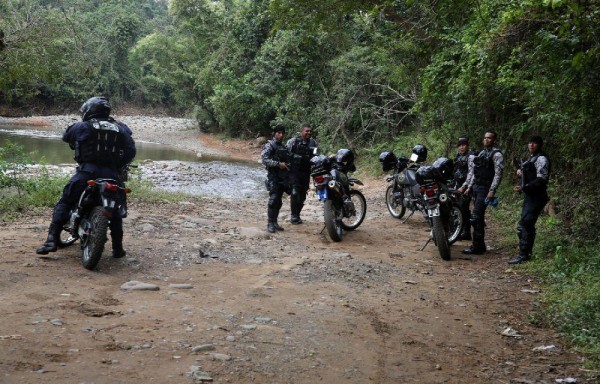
(103, 146)
(485, 174)
(461, 170)
(302, 149)
(534, 174)
(275, 157)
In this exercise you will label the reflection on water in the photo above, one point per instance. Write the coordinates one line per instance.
(54, 151)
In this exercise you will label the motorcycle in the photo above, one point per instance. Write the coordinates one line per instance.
(443, 212)
(404, 192)
(341, 212)
(89, 220)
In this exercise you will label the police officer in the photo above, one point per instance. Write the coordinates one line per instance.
(485, 174)
(534, 174)
(301, 150)
(461, 170)
(103, 146)
(275, 158)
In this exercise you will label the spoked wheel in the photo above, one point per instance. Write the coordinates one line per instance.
(455, 222)
(333, 220)
(395, 202)
(360, 210)
(93, 246)
(439, 236)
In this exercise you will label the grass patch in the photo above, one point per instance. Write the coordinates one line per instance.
(568, 270)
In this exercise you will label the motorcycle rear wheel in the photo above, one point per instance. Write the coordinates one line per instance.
(333, 220)
(396, 209)
(94, 245)
(455, 222)
(360, 204)
(439, 236)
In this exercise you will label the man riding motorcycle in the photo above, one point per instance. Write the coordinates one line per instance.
(103, 146)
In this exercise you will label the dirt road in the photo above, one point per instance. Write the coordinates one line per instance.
(234, 304)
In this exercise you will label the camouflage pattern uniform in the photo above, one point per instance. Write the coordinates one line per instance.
(536, 172)
(485, 174)
(273, 153)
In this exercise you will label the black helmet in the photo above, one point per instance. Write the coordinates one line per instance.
(421, 152)
(388, 160)
(344, 156)
(97, 106)
(445, 166)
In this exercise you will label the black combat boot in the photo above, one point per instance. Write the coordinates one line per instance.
(525, 248)
(51, 243)
(117, 244)
(519, 259)
(272, 219)
(275, 223)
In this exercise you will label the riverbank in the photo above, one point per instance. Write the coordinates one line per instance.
(176, 132)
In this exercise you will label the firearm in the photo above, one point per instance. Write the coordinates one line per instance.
(283, 156)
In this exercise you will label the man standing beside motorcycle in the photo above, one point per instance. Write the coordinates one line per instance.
(103, 146)
(461, 170)
(483, 180)
(534, 174)
(301, 150)
(274, 157)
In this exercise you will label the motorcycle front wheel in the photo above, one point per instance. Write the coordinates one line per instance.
(333, 220)
(360, 205)
(93, 246)
(395, 205)
(439, 236)
(455, 222)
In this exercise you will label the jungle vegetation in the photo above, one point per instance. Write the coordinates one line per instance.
(369, 75)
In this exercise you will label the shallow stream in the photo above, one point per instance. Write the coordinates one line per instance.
(166, 167)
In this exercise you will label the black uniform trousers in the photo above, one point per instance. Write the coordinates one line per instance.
(532, 207)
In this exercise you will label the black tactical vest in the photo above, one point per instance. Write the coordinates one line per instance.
(461, 167)
(484, 167)
(104, 146)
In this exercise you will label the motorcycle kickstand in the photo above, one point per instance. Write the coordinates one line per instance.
(408, 217)
(427, 242)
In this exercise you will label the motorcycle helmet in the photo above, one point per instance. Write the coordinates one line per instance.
(421, 152)
(388, 160)
(97, 106)
(344, 157)
(445, 166)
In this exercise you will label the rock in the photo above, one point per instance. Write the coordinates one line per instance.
(139, 286)
(181, 286)
(220, 357)
(203, 348)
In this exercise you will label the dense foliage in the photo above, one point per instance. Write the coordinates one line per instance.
(366, 74)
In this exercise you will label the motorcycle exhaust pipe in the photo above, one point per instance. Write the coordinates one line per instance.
(331, 184)
(443, 197)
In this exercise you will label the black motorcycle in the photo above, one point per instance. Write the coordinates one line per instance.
(443, 212)
(101, 199)
(342, 211)
(404, 192)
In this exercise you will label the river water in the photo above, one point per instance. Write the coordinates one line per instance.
(166, 167)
